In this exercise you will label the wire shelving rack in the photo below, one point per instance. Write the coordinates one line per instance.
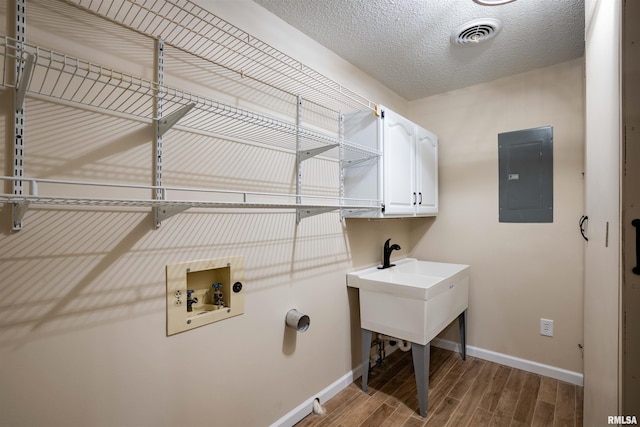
(184, 25)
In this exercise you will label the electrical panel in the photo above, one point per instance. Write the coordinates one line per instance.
(525, 174)
(203, 292)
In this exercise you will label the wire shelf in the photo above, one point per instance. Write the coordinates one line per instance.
(202, 41)
(187, 26)
(59, 76)
(202, 198)
(120, 202)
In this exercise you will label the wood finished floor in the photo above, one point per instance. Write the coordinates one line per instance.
(473, 393)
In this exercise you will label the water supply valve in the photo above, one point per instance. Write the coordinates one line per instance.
(191, 299)
(218, 297)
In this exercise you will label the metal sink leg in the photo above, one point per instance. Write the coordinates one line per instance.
(420, 355)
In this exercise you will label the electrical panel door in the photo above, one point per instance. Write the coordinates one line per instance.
(526, 175)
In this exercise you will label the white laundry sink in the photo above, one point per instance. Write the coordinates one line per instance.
(414, 300)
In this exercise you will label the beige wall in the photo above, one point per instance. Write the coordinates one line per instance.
(82, 323)
(520, 272)
(82, 306)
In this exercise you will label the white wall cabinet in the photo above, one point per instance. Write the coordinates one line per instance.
(405, 178)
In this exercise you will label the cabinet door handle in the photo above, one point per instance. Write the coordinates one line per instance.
(420, 202)
(636, 224)
(415, 198)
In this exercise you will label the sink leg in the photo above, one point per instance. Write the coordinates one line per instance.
(462, 324)
(420, 355)
(366, 348)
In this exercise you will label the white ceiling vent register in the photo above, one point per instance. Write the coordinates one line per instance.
(493, 2)
(476, 31)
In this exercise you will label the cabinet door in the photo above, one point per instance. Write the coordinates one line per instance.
(399, 165)
(427, 172)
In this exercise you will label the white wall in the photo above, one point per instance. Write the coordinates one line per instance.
(82, 305)
(519, 272)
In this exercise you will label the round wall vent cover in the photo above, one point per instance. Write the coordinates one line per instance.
(493, 2)
(476, 31)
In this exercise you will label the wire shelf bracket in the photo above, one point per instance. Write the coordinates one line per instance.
(165, 212)
(20, 206)
(19, 209)
(302, 213)
(307, 154)
(166, 123)
(348, 163)
(23, 79)
(349, 212)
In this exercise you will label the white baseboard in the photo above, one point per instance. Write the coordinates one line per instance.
(306, 407)
(514, 362)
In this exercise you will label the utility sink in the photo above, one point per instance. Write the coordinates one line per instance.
(410, 278)
(412, 301)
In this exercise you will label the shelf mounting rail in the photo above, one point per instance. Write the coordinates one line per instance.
(162, 123)
(23, 70)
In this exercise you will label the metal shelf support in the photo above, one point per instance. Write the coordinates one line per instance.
(307, 154)
(166, 212)
(167, 122)
(341, 155)
(24, 78)
(18, 209)
(303, 213)
(298, 153)
(351, 211)
(347, 163)
(158, 194)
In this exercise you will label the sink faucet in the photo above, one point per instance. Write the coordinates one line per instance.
(387, 253)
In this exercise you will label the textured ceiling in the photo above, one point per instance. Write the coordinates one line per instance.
(405, 43)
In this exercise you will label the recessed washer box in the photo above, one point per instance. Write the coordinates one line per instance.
(203, 292)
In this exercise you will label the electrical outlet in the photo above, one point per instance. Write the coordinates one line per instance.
(546, 327)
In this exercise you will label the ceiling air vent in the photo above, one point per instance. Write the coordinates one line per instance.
(476, 31)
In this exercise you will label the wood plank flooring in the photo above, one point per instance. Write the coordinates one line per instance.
(474, 393)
